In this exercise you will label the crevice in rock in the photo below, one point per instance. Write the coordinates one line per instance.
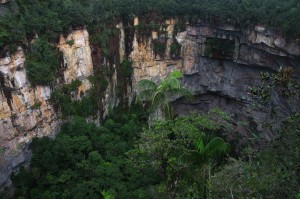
(7, 91)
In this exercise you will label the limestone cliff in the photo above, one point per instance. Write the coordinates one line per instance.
(25, 111)
(77, 59)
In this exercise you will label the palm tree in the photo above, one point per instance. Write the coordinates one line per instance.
(160, 95)
(206, 153)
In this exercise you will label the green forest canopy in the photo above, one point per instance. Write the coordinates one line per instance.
(22, 18)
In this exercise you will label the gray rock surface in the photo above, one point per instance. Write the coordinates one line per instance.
(224, 81)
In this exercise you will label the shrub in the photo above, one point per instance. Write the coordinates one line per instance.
(159, 47)
(42, 61)
(126, 68)
(175, 49)
(70, 42)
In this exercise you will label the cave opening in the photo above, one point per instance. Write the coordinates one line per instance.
(219, 48)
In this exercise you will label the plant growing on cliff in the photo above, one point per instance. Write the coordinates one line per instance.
(42, 61)
(175, 49)
(64, 98)
(160, 95)
(124, 73)
(281, 83)
(126, 68)
(159, 47)
(20, 19)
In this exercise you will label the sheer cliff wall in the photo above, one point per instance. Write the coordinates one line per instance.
(25, 111)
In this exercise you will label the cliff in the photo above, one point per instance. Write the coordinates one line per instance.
(220, 63)
(25, 111)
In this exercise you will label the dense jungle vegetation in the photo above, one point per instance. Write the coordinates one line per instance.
(180, 157)
(185, 157)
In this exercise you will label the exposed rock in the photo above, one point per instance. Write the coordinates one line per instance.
(145, 64)
(122, 42)
(253, 47)
(25, 113)
(226, 80)
(77, 56)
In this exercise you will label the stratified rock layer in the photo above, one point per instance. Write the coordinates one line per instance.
(25, 111)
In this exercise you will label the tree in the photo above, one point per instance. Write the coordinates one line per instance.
(208, 152)
(160, 95)
(41, 62)
(181, 152)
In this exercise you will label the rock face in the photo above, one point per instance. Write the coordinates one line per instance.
(77, 56)
(222, 79)
(148, 65)
(256, 46)
(25, 111)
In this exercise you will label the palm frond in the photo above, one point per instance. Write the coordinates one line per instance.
(146, 84)
(175, 74)
(159, 98)
(200, 146)
(181, 92)
(173, 83)
(216, 146)
(146, 95)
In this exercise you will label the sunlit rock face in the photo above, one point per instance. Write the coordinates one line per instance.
(146, 64)
(25, 111)
(77, 56)
(223, 81)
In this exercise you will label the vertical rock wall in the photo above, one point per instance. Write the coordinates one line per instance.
(25, 111)
(78, 62)
(146, 64)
